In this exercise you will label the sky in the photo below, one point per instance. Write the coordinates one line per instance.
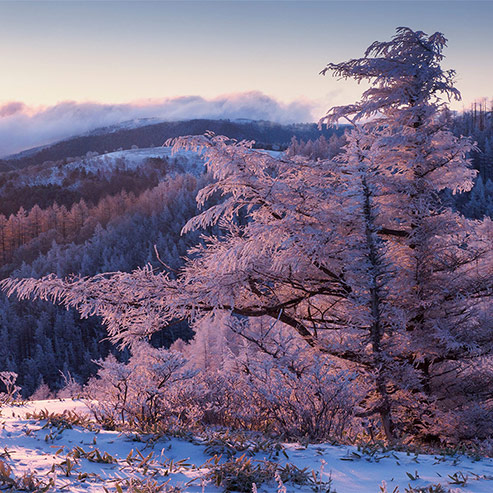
(139, 58)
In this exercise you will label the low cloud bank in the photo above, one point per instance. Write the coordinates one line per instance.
(23, 127)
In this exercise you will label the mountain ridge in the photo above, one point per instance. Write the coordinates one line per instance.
(266, 134)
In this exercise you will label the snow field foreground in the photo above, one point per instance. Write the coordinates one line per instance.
(51, 453)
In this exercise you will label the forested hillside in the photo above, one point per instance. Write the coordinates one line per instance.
(109, 219)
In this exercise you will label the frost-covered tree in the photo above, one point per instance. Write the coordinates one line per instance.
(358, 257)
(429, 270)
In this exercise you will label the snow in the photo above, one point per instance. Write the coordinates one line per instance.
(132, 158)
(128, 160)
(29, 446)
(51, 405)
(183, 161)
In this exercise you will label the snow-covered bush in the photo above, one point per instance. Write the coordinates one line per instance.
(43, 392)
(152, 389)
(281, 388)
(71, 388)
(12, 390)
(304, 395)
(223, 381)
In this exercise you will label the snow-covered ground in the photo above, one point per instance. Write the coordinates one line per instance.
(130, 159)
(68, 456)
(126, 160)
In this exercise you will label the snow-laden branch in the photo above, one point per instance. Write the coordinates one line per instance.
(132, 305)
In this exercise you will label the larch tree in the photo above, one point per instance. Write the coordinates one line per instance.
(430, 270)
(357, 255)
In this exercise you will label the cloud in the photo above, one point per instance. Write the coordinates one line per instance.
(9, 109)
(23, 127)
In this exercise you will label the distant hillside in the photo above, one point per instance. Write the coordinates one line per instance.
(266, 134)
(68, 181)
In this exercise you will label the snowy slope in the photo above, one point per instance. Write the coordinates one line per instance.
(106, 130)
(131, 159)
(32, 446)
(125, 160)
